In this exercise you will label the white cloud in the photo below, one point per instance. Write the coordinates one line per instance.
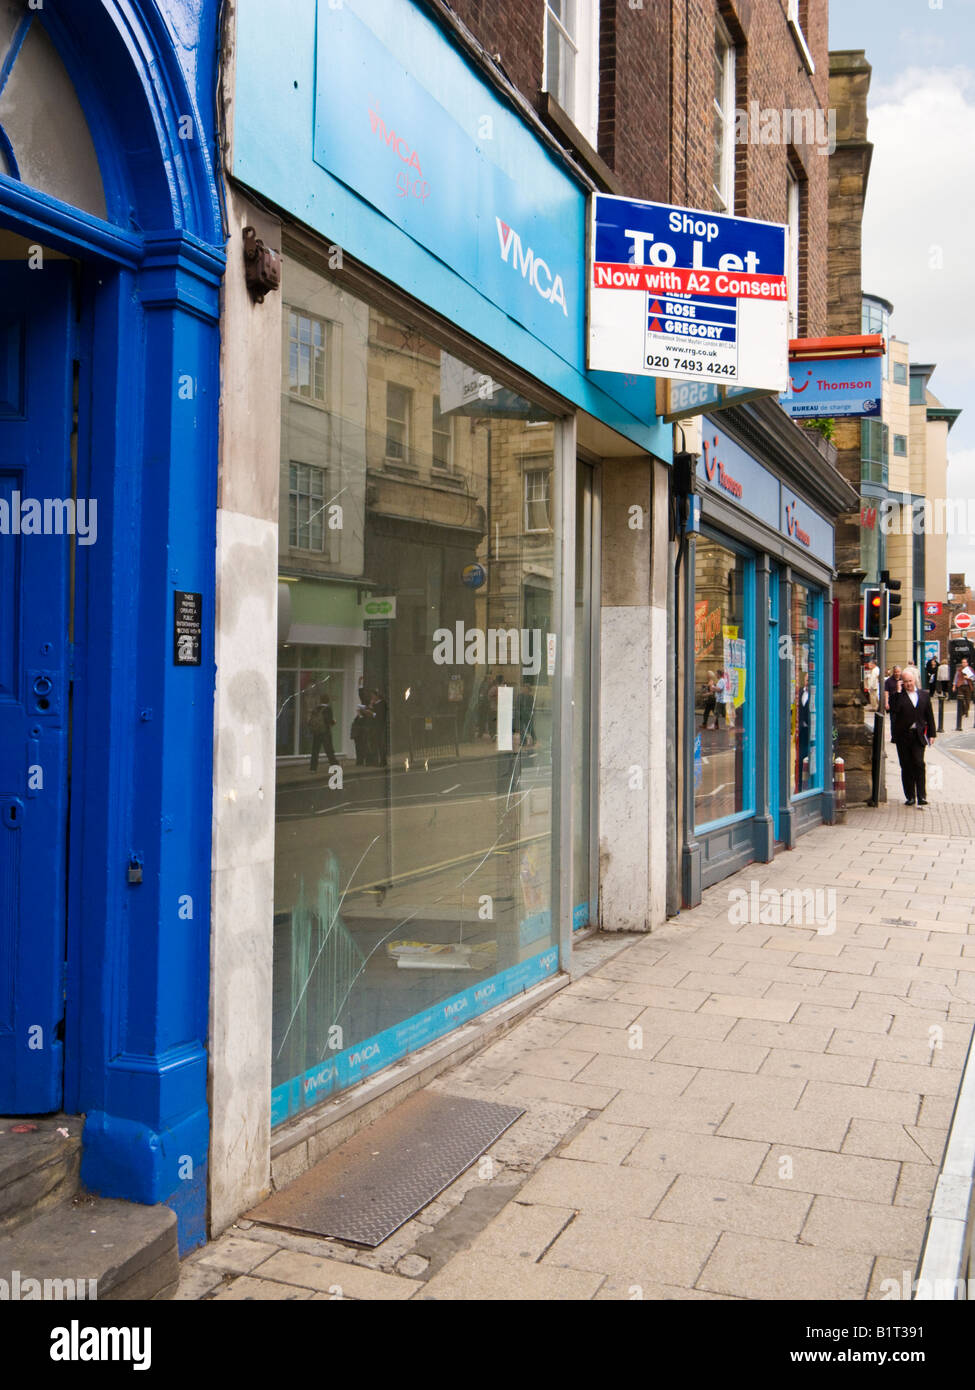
(917, 225)
(961, 484)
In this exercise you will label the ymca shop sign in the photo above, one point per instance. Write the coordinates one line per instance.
(674, 292)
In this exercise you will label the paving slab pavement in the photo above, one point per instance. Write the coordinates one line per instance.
(745, 1104)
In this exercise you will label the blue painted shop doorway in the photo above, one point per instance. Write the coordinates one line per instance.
(111, 255)
(38, 533)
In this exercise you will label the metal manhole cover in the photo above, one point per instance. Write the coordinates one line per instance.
(374, 1182)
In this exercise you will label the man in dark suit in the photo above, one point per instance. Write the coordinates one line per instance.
(912, 727)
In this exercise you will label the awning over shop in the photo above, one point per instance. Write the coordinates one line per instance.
(319, 612)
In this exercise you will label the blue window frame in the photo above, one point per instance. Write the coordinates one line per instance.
(724, 682)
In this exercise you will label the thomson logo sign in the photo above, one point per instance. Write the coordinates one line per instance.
(532, 267)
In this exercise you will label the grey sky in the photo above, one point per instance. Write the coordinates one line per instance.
(920, 205)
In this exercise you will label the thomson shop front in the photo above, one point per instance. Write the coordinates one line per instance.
(758, 644)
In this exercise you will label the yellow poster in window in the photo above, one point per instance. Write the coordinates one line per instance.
(736, 661)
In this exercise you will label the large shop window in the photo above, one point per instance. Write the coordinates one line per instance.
(417, 649)
(723, 679)
(805, 716)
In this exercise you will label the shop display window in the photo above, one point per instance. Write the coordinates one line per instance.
(723, 683)
(418, 643)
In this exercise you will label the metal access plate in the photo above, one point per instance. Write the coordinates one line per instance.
(369, 1186)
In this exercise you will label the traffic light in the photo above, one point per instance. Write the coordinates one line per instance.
(872, 603)
(893, 587)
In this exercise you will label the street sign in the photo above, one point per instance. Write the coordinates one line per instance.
(378, 611)
(679, 400)
(676, 292)
(963, 621)
(932, 610)
(833, 387)
(929, 626)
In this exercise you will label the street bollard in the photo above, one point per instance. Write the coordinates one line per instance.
(941, 714)
(959, 706)
(839, 788)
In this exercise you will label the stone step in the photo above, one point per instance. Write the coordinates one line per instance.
(92, 1247)
(40, 1158)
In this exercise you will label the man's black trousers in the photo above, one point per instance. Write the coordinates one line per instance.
(910, 752)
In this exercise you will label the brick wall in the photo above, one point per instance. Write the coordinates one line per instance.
(656, 105)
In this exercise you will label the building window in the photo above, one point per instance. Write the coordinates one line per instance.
(874, 451)
(306, 356)
(538, 508)
(874, 317)
(723, 174)
(792, 194)
(399, 399)
(442, 438)
(571, 68)
(900, 445)
(918, 389)
(917, 562)
(900, 373)
(797, 21)
(307, 503)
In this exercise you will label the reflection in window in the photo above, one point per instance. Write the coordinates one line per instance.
(413, 846)
(307, 507)
(721, 683)
(538, 513)
(805, 756)
(397, 422)
(442, 437)
(306, 356)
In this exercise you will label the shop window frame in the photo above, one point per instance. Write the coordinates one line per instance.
(749, 602)
(378, 294)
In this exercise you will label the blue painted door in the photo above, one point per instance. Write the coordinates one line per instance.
(36, 445)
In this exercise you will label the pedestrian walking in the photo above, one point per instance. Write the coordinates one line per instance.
(725, 698)
(320, 723)
(943, 678)
(931, 674)
(871, 684)
(710, 700)
(964, 684)
(913, 728)
(890, 687)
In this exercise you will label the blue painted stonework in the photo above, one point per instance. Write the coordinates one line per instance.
(137, 979)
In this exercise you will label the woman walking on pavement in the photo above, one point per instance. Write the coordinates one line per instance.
(913, 729)
(963, 687)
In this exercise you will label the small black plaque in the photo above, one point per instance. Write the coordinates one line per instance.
(187, 628)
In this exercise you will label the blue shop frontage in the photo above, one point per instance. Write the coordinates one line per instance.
(111, 257)
(435, 668)
(759, 642)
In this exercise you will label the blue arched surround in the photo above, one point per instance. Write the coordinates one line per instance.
(137, 981)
